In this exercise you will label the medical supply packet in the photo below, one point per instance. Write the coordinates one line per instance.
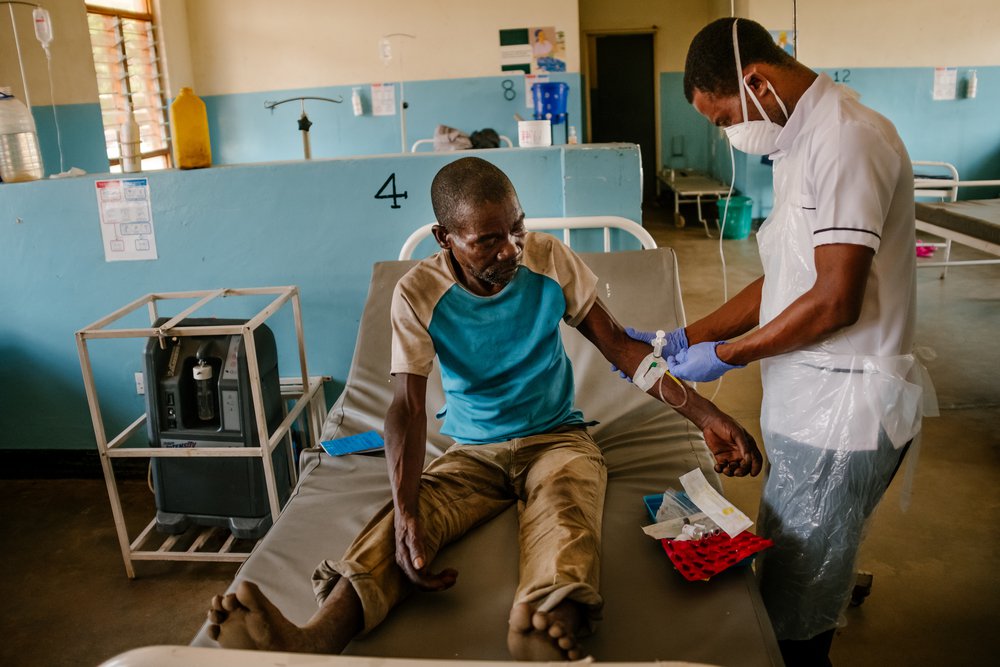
(711, 502)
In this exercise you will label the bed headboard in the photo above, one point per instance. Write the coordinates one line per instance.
(605, 222)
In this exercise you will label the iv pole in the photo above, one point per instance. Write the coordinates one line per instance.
(385, 52)
(304, 122)
(17, 45)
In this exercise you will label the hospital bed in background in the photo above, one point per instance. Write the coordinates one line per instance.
(688, 185)
(973, 223)
(430, 142)
(651, 612)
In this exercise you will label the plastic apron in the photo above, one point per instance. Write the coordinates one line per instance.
(833, 426)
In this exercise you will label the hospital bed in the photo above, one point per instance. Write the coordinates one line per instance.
(688, 186)
(973, 223)
(651, 612)
(505, 140)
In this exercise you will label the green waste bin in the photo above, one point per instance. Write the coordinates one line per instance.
(738, 217)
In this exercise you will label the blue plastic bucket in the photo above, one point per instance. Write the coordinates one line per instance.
(550, 101)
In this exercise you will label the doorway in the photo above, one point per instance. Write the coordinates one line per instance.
(622, 103)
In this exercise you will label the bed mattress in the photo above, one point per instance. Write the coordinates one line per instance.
(979, 218)
(651, 612)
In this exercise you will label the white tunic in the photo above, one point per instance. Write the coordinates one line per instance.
(842, 175)
(855, 185)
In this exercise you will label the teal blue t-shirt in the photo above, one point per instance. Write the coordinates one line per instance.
(504, 370)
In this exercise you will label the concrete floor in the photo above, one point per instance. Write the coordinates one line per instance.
(936, 593)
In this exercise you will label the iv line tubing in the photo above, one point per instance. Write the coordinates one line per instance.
(795, 29)
(55, 112)
(17, 45)
(659, 389)
(402, 89)
(722, 254)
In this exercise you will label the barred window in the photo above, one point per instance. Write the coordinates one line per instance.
(129, 78)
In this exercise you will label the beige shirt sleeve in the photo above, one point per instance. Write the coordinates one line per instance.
(579, 283)
(412, 347)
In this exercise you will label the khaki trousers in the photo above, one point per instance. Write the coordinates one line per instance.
(557, 480)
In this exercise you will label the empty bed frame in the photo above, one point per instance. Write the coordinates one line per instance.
(651, 613)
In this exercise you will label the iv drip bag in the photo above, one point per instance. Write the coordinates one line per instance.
(43, 26)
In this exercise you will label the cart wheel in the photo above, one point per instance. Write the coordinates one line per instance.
(679, 221)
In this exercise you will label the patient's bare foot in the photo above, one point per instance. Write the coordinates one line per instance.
(542, 636)
(246, 619)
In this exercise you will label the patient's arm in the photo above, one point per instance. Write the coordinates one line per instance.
(735, 451)
(405, 448)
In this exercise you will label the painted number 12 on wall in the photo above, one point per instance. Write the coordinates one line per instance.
(390, 183)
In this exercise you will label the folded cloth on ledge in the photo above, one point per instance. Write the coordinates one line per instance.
(449, 139)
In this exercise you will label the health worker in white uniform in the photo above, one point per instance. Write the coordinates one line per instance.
(831, 319)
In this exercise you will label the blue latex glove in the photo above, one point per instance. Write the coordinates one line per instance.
(699, 363)
(676, 341)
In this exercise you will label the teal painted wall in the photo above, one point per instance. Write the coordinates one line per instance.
(964, 132)
(243, 131)
(82, 137)
(312, 224)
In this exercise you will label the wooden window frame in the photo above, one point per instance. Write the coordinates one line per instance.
(164, 120)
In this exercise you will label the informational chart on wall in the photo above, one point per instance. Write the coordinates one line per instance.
(945, 83)
(532, 50)
(126, 219)
(383, 99)
(529, 81)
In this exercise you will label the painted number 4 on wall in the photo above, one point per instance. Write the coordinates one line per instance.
(390, 184)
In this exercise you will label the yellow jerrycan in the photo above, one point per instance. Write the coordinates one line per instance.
(189, 129)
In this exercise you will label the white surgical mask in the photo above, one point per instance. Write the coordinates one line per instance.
(755, 137)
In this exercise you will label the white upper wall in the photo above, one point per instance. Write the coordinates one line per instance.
(221, 46)
(886, 33)
(677, 21)
(239, 46)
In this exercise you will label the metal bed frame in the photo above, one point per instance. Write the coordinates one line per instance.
(423, 142)
(605, 222)
(689, 186)
(946, 190)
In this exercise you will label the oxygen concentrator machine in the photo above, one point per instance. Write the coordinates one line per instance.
(198, 395)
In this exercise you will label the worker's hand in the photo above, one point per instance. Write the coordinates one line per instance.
(411, 556)
(699, 363)
(676, 341)
(735, 450)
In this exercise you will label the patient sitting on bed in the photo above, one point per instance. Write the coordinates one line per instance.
(488, 306)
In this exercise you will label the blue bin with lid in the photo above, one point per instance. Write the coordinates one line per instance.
(738, 218)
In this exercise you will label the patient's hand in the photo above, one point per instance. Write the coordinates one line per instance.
(411, 556)
(735, 450)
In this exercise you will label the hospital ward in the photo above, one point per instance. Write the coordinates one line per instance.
(472, 334)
